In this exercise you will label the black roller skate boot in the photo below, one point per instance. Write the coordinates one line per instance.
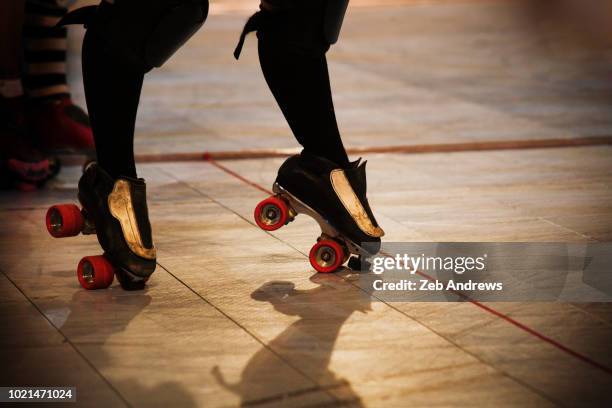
(335, 198)
(116, 210)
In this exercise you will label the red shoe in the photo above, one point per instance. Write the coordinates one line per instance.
(61, 126)
(21, 165)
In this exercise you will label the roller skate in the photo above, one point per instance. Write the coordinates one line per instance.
(335, 198)
(22, 166)
(62, 127)
(116, 211)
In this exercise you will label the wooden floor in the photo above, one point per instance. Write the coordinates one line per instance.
(235, 315)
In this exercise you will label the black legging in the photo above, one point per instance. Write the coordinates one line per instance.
(300, 84)
(112, 92)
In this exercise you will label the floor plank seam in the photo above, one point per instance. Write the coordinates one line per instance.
(580, 234)
(67, 340)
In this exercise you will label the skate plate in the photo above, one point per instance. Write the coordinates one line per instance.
(327, 229)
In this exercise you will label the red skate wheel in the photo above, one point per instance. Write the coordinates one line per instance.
(64, 220)
(326, 256)
(271, 214)
(95, 272)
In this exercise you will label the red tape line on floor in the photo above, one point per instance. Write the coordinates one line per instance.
(246, 154)
(391, 149)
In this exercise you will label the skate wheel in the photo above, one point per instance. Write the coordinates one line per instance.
(326, 256)
(271, 214)
(64, 220)
(95, 272)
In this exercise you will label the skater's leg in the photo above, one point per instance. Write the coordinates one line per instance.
(124, 40)
(122, 43)
(112, 91)
(293, 39)
(20, 163)
(58, 123)
(292, 46)
(45, 50)
(300, 84)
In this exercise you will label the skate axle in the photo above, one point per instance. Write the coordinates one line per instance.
(272, 214)
(88, 273)
(55, 220)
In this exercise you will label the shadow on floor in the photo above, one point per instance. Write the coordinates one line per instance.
(94, 317)
(306, 344)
